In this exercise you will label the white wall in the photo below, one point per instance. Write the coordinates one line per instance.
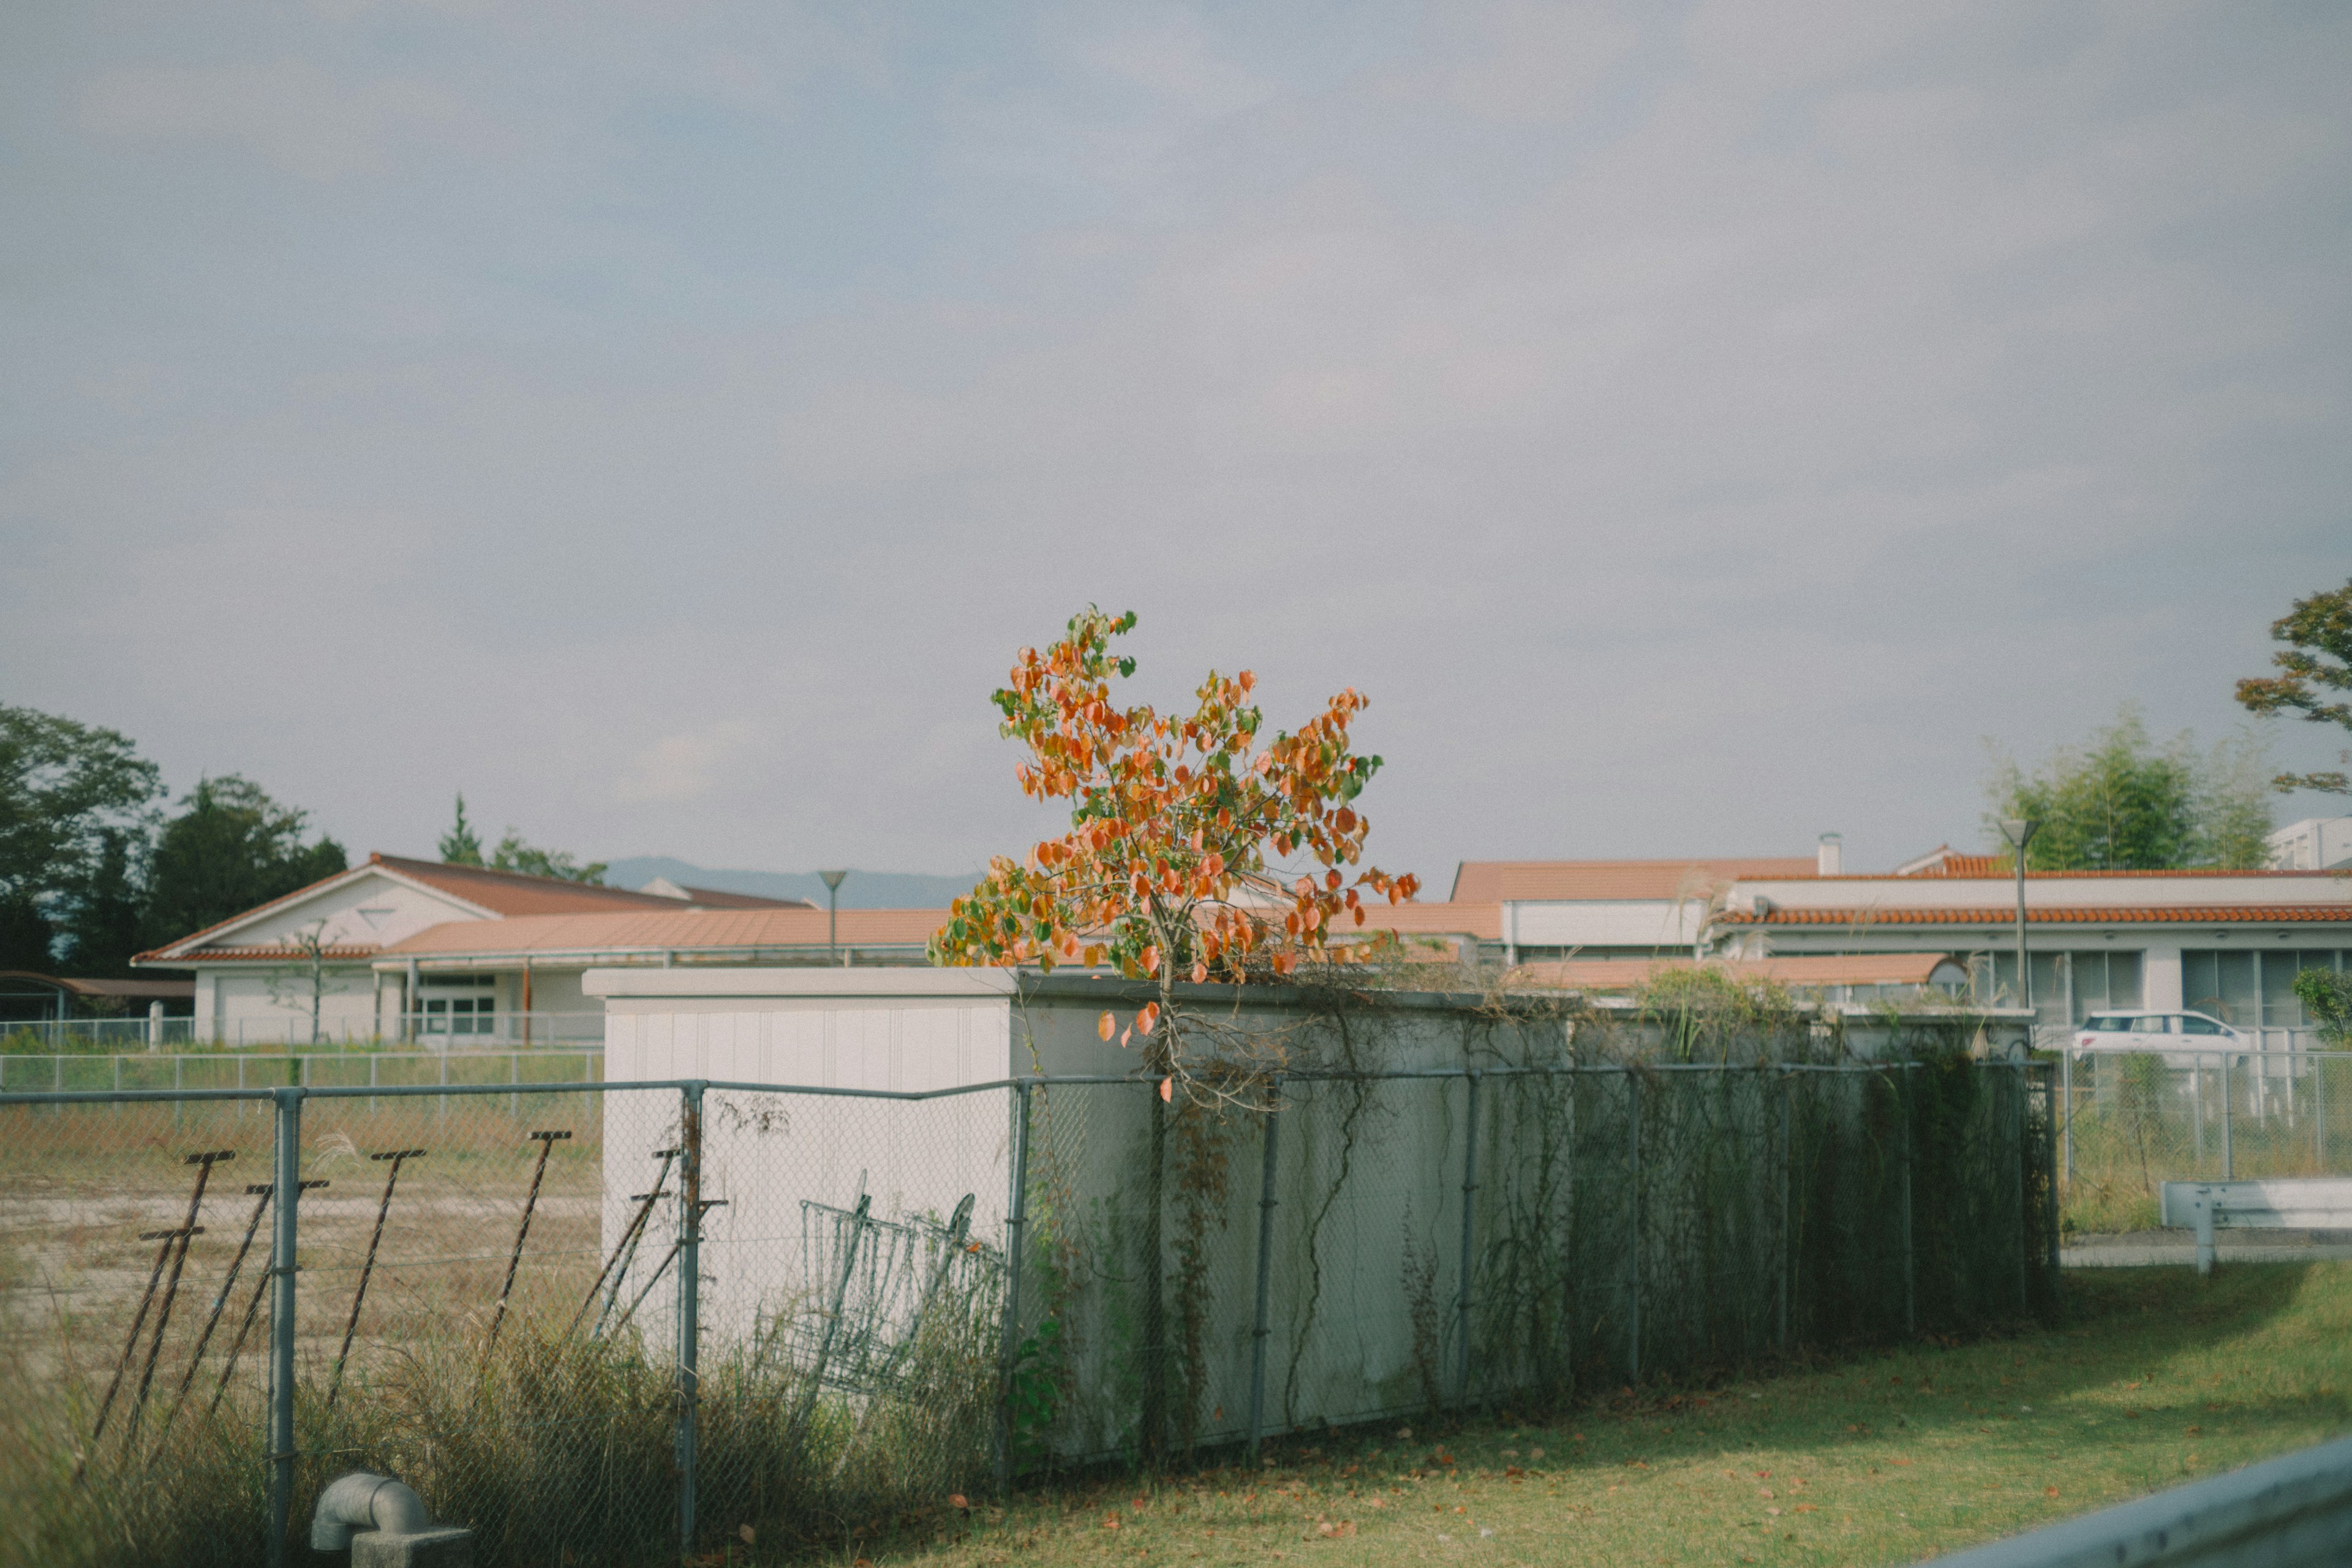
(905, 1029)
(370, 911)
(245, 1007)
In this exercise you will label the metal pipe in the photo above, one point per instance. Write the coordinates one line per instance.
(1009, 1333)
(546, 1142)
(398, 1157)
(689, 1301)
(2229, 1113)
(2066, 1089)
(285, 1238)
(1266, 1204)
(628, 1242)
(259, 1192)
(1469, 1216)
(252, 1311)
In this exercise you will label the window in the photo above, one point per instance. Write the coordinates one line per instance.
(2199, 1026)
(2151, 1024)
(2249, 987)
(2106, 1024)
(464, 1005)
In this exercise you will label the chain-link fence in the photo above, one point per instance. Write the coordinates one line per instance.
(2132, 1120)
(604, 1323)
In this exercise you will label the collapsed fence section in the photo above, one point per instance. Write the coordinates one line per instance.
(607, 1324)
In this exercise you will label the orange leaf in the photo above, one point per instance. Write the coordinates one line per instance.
(1148, 1019)
(1167, 1088)
(1104, 1025)
(1199, 972)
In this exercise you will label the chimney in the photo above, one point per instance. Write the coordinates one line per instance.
(1830, 860)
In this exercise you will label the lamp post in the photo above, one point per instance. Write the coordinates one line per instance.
(2020, 831)
(833, 880)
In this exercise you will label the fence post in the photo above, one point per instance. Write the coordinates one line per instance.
(1634, 1253)
(689, 1304)
(285, 1239)
(1264, 1271)
(1015, 1235)
(2066, 1083)
(1469, 1191)
(2319, 1105)
(2228, 1154)
(1910, 1263)
(1787, 1241)
(2024, 1300)
(2050, 1199)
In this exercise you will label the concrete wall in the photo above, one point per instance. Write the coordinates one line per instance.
(1344, 1290)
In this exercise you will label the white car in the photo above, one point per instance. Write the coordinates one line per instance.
(2177, 1035)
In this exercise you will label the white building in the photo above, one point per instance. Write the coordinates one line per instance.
(2314, 844)
(257, 978)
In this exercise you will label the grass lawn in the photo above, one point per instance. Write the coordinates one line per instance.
(2156, 1378)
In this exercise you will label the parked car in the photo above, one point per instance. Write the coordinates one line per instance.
(2177, 1035)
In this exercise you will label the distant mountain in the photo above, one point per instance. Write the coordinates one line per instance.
(862, 891)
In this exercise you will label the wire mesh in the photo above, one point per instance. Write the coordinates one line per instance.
(2130, 1122)
(610, 1324)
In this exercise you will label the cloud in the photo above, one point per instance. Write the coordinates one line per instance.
(292, 113)
(680, 768)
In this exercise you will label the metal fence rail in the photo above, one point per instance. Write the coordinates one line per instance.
(614, 1322)
(116, 1072)
(436, 1029)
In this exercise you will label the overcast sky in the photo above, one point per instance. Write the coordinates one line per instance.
(1695, 426)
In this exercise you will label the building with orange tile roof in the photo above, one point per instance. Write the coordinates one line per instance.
(253, 981)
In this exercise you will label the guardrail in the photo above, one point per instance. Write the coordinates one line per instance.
(2290, 1512)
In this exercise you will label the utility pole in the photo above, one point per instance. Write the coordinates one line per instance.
(833, 880)
(2020, 831)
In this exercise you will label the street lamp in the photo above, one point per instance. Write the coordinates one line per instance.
(833, 880)
(2020, 831)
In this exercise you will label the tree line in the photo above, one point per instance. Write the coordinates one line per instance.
(96, 863)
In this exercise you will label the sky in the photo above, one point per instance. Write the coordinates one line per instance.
(1695, 426)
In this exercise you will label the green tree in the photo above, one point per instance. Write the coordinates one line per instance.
(230, 849)
(2326, 996)
(461, 846)
(513, 855)
(2124, 804)
(67, 789)
(105, 919)
(2316, 662)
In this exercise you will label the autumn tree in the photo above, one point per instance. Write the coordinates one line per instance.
(1198, 848)
(2315, 678)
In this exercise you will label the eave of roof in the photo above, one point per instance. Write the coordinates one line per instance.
(2209, 914)
(1539, 881)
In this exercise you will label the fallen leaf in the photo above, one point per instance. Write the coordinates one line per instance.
(1807, 1508)
(2049, 1491)
(2194, 1430)
(748, 1533)
(955, 1500)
